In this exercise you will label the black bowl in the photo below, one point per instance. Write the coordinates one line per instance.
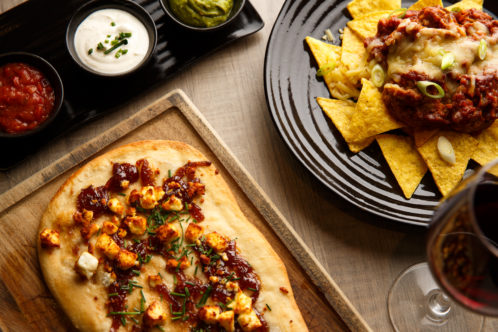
(134, 9)
(52, 76)
(238, 5)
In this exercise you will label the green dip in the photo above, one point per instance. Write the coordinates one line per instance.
(201, 13)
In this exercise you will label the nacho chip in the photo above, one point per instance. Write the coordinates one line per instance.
(488, 147)
(371, 116)
(404, 161)
(445, 175)
(466, 4)
(340, 112)
(423, 135)
(359, 8)
(366, 26)
(324, 53)
(353, 54)
(338, 82)
(421, 4)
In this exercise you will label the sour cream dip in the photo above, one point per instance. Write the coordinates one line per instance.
(111, 41)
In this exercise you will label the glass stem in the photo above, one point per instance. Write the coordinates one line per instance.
(439, 306)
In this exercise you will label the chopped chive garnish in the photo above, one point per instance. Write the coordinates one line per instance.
(176, 317)
(134, 320)
(187, 293)
(108, 36)
(204, 297)
(113, 294)
(169, 173)
(117, 55)
(252, 289)
(113, 313)
(123, 321)
(121, 194)
(185, 318)
(123, 52)
(190, 283)
(113, 24)
(176, 313)
(268, 306)
(142, 301)
(90, 51)
(100, 46)
(124, 35)
(123, 42)
(106, 41)
(177, 294)
(195, 272)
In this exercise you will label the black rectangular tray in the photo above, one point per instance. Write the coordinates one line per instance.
(39, 27)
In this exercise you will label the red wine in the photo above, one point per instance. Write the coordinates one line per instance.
(463, 247)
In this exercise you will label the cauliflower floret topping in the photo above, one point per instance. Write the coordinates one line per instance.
(50, 238)
(216, 241)
(86, 265)
(150, 196)
(154, 315)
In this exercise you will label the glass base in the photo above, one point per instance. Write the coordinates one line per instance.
(415, 303)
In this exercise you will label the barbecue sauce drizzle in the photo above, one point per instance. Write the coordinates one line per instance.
(183, 185)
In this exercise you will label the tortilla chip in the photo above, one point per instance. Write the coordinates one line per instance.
(340, 112)
(422, 135)
(371, 116)
(421, 4)
(445, 175)
(488, 147)
(366, 26)
(324, 53)
(466, 4)
(353, 54)
(404, 161)
(359, 8)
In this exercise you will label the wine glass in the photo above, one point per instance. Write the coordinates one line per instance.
(459, 284)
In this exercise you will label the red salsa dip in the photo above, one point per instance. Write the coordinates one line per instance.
(26, 98)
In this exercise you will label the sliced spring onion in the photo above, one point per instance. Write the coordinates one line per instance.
(483, 49)
(378, 75)
(447, 61)
(325, 69)
(400, 12)
(424, 85)
(90, 51)
(445, 150)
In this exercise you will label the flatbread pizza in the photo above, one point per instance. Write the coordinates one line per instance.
(149, 237)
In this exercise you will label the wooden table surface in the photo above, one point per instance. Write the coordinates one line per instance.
(362, 253)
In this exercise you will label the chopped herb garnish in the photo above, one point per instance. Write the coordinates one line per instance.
(176, 317)
(190, 283)
(177, 294)
(124, 35)
(108, 36)
(122, 42)
(142, 301)
(90, 51)
(100, 47)
(252, 289)
(185, 318)
(187, 293)
(136, 272)
(204, 297)
(121, 194)
(268, 306)
(113, 294)
(123, 321)
(113, 24)
(117, 55)
(113, 313)
(169, 173)
(135, 320)
(195, 272)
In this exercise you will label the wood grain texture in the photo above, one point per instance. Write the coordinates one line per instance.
(168, 122)
(363, 254)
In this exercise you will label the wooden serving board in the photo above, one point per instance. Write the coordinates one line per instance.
(26, 304)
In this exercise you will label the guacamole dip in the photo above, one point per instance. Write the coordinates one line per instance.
(201, 13)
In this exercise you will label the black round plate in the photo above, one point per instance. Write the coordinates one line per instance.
(291, 88)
